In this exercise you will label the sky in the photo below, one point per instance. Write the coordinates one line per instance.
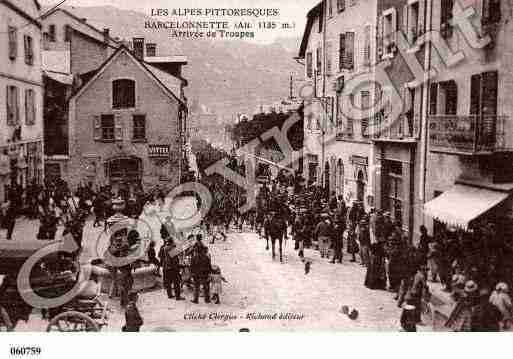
(291, 11)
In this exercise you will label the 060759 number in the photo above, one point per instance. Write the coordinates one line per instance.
(24, 351)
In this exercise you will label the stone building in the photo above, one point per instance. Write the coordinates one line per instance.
(126, 124)
(21, 94)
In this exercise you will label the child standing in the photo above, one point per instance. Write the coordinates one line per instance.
(216, 284)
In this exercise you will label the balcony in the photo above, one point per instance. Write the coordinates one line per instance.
(466, 135)
(404, 129)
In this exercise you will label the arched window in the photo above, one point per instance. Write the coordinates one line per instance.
(123, 93)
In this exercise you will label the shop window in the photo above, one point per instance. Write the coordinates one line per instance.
(139, 127)
(13, 42)
(123, 93)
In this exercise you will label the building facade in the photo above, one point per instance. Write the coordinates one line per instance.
(337, 47)
(126, 124)
(470, 131)
(72, 51)
(21, 95)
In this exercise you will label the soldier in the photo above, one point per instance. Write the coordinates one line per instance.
(171, 270)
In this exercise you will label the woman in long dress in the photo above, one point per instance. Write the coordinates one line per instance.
(375, 277)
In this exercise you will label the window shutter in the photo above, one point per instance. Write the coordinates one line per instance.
(118, 127)
(10, 108)
(379, 36)
(475, 94)
(489, 92)
(328, 58)
(27, 107)
(433, 97)
(421, 18)
(13, 42)
(97, 128)
(367, 46)
(405, 20)
(341, 51)
(350, 50)
(16, 105)
(394, 25)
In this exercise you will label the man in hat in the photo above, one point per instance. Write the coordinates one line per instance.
(171, 270)
(323, 232)
(201, 267)
(364, 241)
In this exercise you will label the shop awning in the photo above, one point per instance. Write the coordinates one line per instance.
(461, 204)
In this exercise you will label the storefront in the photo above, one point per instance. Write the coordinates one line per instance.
(394, 181)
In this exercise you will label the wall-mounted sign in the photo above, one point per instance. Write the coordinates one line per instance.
(158, 150)
(359, 160)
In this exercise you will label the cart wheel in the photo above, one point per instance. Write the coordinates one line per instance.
(72, 321)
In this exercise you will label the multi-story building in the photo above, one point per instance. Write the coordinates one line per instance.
(21, 94)
(470, 130)
(337, 46)
(72, 50)
(127, 124)
(396, 123)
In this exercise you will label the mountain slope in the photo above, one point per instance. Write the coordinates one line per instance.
(228, 77)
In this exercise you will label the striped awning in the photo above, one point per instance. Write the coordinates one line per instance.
(462, 204)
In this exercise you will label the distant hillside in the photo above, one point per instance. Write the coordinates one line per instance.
(227, 77)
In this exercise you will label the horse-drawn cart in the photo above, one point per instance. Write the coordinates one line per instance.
(55, 273)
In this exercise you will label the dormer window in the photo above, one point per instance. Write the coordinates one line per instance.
(123, 93)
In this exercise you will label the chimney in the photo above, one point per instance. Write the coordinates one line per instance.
(138, 47)
(106, 35)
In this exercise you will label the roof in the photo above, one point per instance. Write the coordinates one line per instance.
(310, 17)
(78, 19)
(179, 59)
(150, 70)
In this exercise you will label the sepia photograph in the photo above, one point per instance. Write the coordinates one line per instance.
(255, 166)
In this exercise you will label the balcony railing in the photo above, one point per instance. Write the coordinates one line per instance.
(404, 128)
(470, 134)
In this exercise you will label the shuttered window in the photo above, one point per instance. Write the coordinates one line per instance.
(13, 112)
(13, 42)
(51, 33)
(341, 50)
(348, 55)
(68, 31)
(29, 50)
(451, 98)
(483, 93)
(30, 108)
(139, 127)
(328, 58)
(107, 127)
(365, 106)
(318, 60)
(118, 127)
